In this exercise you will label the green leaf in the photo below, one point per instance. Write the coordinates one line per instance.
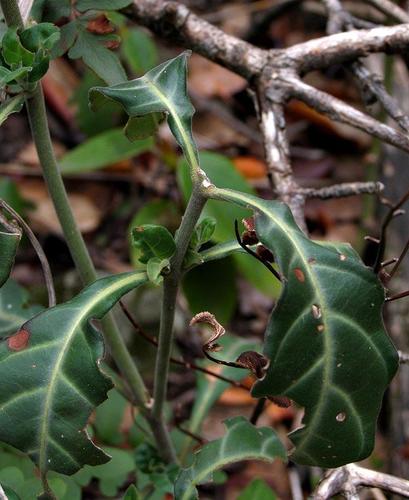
(108, 418)
(242, 441)
(93, 123)
(8, 77)
(68, 33)
(101, 60)
(203, 232)
(10, 237)
(212, 287)
(131, 493)
(209, 389)
(140, 127)
(50, 10)
(41, 36)
(162, 212)
(11, 195)
(138, 50)
(51, 379)
(14, 53)
(14, 308)
(111, 475)
(83, 5)
(10, 106)
(326, 341)
(161, 90)
(153, 241)
(101, 151)
(154, 269)
(257, 490)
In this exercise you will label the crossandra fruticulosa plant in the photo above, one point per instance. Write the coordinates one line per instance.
(325, 346)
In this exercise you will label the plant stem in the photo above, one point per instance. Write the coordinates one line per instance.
(170, 290)
(41, 136)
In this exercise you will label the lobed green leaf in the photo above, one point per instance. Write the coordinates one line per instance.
(242, 441)
(51, 379)
(326, 341)
(161, 90)
(153, 242)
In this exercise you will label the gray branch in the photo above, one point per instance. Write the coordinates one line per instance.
(349, 479)
(343, 190)
(390, 9)
(338, 111)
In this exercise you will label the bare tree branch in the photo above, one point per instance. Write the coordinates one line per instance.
(338, 111)
(343, 47)
(350, 478)
(371, 85)
(174, 20)
(343, 190)
(390, 9)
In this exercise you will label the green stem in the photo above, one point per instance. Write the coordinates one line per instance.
(170, 290)
(41, 136)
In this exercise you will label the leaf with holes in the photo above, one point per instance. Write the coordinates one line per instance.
(51, 379)
(242, 441)
(10, 236)
(326, 341)
(162, 90)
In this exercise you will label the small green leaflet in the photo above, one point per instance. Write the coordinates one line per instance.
(153, 241)
(12, 105)
(51, 379)
(242, 441)
(326, 341)
(14, 308)
(161, 90)
(10, 236)
(96, 56)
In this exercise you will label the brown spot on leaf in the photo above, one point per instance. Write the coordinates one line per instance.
(299, 274)
(320, 328)
(19, 340)
(311, 260)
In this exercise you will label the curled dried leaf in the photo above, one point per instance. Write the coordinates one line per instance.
(218, 330)
(255, 362)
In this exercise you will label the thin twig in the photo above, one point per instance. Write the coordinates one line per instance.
(372, 86)
(186, 364)
(48, 277)
(343, 190)
(194, 436)
(390, 9)
(258, 410)
(393, 210)
(341, 112)
(399, 261)
(398, 296)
